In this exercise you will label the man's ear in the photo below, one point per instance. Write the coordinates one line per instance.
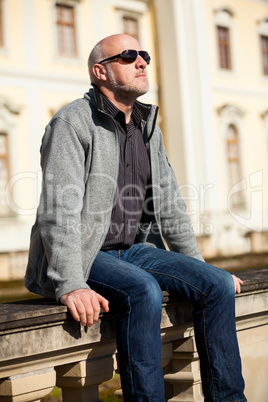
(100, 72)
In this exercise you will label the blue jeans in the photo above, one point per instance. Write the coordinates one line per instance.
(132, 280)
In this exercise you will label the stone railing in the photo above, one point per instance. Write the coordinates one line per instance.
(42, 346)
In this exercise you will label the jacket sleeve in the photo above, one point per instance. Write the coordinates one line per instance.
(175, 223)
(62, 161)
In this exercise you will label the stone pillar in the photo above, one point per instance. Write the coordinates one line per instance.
(80, 381)
(183, 373)
(27, 387)
(166, 356)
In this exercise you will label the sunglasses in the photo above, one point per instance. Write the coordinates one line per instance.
(129, 56)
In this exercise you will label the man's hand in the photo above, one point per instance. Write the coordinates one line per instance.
(237, 283)
(84, 305)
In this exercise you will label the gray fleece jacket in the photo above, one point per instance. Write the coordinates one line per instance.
(80, 160)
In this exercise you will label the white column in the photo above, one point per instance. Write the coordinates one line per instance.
(186, 91)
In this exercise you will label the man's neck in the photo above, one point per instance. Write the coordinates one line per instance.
(125, 105)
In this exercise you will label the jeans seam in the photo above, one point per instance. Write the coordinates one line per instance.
(129, 352)
(208, 356)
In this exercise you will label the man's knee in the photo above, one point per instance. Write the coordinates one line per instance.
(151, 294)
(223, 285)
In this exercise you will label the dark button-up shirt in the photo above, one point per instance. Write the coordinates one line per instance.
(134, 173)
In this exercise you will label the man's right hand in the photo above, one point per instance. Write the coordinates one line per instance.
(84, 305)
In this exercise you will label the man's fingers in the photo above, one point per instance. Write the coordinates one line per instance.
(77, 309)
(104, 303)
(84, 305)
(72, 308)
(85, 312)
(96, 308)
(237, 283)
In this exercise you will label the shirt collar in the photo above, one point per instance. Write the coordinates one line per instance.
(108, 107)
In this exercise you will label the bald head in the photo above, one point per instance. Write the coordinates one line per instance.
(107, 47)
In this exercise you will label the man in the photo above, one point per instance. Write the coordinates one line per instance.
(107, 183)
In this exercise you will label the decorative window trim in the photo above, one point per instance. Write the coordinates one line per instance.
(263, 26)
(219, 11)
(122, 13)
(137, 14)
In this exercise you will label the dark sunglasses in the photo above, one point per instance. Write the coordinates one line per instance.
(129, 56)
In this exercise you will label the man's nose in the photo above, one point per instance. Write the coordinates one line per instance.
(141, 62)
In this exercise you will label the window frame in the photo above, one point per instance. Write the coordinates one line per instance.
(132, 15)
(128, 17)
(224, 19)
(224, 47)
(9, 112)
(2, 33)
(65, 54)
(263, 33)
(233, 154)
(232, 116)
(5, 157)
(264, 54)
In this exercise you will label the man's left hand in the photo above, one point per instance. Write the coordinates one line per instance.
(237, 282)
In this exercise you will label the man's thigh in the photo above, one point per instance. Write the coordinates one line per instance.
(116, 279)
(176, 272)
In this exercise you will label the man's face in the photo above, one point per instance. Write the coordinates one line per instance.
(126, 79)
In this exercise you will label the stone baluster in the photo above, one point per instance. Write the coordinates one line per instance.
(80, 381)
(183, 382)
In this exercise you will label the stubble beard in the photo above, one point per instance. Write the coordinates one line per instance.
(126, 91)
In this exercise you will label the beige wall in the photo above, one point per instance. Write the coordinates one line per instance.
(35, 80)
(244, 86)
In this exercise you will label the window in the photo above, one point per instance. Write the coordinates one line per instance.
(265, 127)
(233, 164)
(4, 174)
(66, 30)
(263, 35)
(233, 155)
(264, 53)
(224, 32)
(231, 122)
(1, 25)
(131, 26)
(224, 47)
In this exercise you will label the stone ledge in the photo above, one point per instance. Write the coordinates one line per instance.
(45, 311)
(39, 338)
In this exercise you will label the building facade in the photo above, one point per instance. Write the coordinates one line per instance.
(43, 60)
(214, 63)
(209, 75)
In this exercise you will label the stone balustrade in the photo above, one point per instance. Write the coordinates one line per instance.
(42, 346)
